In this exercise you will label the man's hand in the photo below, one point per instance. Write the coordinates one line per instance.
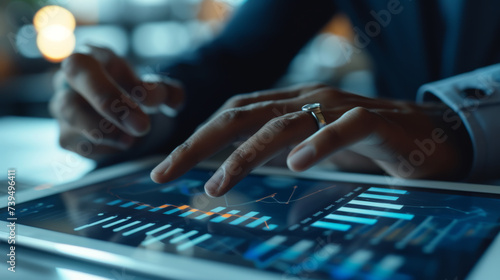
(99, 99)
(403, 138)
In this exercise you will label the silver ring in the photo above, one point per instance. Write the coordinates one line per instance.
(315, 110)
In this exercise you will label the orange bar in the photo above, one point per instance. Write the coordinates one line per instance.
(183, 207)
(226, 215)
(193, 210)
(164, 206)
(209, 213)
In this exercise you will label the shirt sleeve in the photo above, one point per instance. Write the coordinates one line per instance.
(475, 98)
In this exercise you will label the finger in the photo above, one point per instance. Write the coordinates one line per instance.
(268, 95)
(358, 124)
(153, 91)
(87, 76)
(215, 135)
(275, 136)
(73, 110)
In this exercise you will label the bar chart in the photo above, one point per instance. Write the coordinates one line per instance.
(308, 230)
(366, 209)
(250, 220)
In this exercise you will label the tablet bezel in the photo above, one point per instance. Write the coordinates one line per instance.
(153, 263)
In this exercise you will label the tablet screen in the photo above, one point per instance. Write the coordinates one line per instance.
(299, 228)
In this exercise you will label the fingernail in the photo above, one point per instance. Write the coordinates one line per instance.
(301, 159)
(137, 124)
(213, 185)
(162, 168)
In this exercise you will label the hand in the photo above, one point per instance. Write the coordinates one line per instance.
(402, 138)
(101, 104)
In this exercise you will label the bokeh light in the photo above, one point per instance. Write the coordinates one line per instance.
(54, 15)
(55, 26)
(55, 42)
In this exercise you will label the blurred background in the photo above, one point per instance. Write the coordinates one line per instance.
(36, 35)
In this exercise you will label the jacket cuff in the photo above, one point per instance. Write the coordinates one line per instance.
(475, 98)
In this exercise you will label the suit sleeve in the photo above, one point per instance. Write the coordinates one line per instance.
(475, 98)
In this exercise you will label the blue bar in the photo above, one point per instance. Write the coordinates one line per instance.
(352, 265)
(244, 218)
(376, 204)
(185, 214)
(182, 237)
(172, 211)
(382, 190)
(297, 249)
(115, 223)
(264, 247)
(377, 213)
(332, 226)
(128, 204)
(258, 222)
(215, 210)
(155, 209)
(351, 219)
(114, 202)
(221, 218)
(193, 242)
(378, 196)
(270, 227)
(141, 207)
(161, 237)
(218, 209)
(126, 226)
(130, 232)
(95, 223)
(157, 230)
(387, 266)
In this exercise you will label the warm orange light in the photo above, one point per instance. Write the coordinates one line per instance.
(55, 26)
(54, 15)
(55, 42)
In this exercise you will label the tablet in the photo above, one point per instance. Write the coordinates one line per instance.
(273, 225)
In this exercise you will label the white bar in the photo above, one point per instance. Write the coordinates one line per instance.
(95, 223)
(193, 242)
(157, 230)
(115, 223)
(126, 226)
(184, 236)
(376, 204)
(161, 237)
(130, 232)
(429, 248)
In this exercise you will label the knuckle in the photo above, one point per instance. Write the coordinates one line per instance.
(240, 155)
(279, 123)
(104, 103)
(330, 93)
(73, 64)
(317, 85)
(237, 101)
(232, 115)
(362, 112)
(182, 148)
